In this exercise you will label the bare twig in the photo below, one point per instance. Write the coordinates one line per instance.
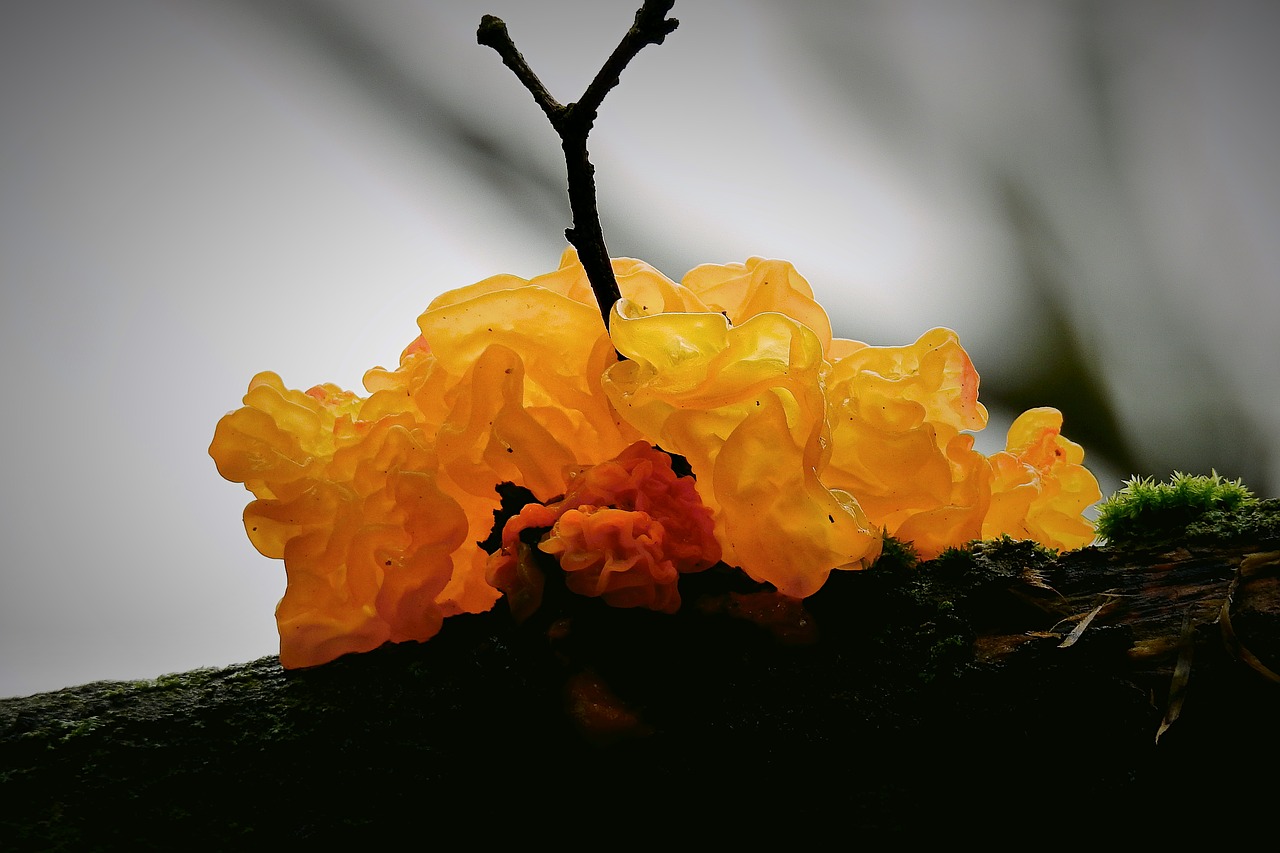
(573, 123)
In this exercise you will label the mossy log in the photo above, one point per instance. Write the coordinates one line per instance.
(1109, 690)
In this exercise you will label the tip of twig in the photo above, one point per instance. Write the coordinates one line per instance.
(652, 20)
(668, 27)
(492, 29)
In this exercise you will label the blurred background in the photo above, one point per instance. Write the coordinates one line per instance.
(192, 191)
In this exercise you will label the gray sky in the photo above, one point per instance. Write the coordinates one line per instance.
(192, 191)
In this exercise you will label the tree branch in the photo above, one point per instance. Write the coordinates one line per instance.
(941, 695)
(493, 33)
(651, 26)
(573, 124)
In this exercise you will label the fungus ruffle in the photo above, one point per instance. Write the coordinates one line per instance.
(353, 508)
(896, 417)
(744, 405)
(1039, 488)
(804, 450)
(625, 531)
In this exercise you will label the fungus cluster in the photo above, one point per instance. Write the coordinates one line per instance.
(805, 450)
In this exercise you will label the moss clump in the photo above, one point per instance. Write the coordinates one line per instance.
(1144, 511)
(1259, 520)
(897, 553)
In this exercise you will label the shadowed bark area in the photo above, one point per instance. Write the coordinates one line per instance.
(968, 694)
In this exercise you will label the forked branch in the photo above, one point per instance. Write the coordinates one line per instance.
(573, 123)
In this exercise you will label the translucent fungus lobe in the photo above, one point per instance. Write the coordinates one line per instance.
(804, 448)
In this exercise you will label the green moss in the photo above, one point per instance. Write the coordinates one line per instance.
(1144, 511)
(897, 553)
(80, 728)
(1004, 557)
(1259, 520)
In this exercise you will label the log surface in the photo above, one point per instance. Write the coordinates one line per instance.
(1002, 686)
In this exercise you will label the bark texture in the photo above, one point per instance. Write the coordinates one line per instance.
(989, 693)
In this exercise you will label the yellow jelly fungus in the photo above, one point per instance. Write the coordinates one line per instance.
(1040, 489)
(625, 531)
(352, 507)
(896, 417)
(744, 405)
(805, 449)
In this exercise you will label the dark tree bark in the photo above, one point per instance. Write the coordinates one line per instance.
(963, 696)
